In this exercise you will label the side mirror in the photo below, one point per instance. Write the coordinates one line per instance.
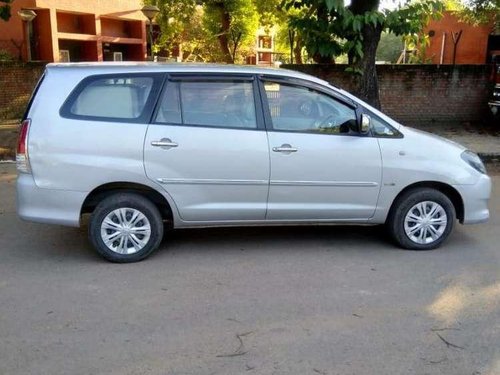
(364, 127)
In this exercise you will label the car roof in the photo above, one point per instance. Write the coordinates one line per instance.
(120, 67)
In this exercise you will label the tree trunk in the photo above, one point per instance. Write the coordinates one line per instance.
(236, 41)
(223, 34)
(291, 41)
(297, 50)
(367, 82)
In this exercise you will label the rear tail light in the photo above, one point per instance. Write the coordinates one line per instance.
(22, 160)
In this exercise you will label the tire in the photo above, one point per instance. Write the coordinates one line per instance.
(421, 219)
(130, 224)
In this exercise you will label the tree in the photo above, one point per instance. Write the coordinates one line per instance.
(5, 9)
(330, 29)
(197, 42)
(174, 20)
(476, 12)
(233, 22)
(482, 11)
(389, 48)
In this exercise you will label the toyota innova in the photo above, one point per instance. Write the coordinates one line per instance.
(142, 147)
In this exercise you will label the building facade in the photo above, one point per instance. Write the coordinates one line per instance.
(265, 54)
(455, 42)
(72, 30)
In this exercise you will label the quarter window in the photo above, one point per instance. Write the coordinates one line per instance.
(383, 130)
(117, 98)
(169, 111)
(300, 109)
(228, 104)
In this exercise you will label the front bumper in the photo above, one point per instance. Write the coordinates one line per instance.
(475, 198)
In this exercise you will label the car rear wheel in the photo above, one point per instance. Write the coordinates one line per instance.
(125, 228)
(421, 219)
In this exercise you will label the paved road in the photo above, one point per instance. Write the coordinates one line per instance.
(329, 300)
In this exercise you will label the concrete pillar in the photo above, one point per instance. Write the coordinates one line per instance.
(98, 32)
(144, 37)
(53, 34)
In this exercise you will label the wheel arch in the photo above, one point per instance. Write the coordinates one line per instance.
(103, 191)
(448, 190)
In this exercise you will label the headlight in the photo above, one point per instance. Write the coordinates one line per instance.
(474, 161)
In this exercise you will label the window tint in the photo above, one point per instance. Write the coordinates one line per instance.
(113, 98)
(209, 103)
(381, 129)
(297, 108)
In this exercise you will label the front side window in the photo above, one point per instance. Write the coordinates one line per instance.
(300, 109)
(228, 104)
(118, 98)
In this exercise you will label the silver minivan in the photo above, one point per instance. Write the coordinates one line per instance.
(143, 147)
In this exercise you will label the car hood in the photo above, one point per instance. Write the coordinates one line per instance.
(427, 137)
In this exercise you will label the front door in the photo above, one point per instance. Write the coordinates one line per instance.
(321, 168)
(207, 147)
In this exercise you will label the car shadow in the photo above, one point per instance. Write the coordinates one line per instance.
(55, 243)
(330, 237)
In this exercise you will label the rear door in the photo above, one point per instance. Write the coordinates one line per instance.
(207, 147)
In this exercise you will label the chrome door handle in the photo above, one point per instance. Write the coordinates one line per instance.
(164, 143)
(286, 148)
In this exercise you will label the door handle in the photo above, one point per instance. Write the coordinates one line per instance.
(165, 143)
(286, 148)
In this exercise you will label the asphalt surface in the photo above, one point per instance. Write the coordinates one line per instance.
(296, 300)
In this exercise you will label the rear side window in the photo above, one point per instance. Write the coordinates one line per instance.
(126, 98)
(225, 103)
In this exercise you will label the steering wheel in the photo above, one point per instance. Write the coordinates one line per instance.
(308, 108)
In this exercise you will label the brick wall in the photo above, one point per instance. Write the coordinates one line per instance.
(421, 94)
(17, 81)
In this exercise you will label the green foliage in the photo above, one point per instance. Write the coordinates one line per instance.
(270, 13)
(476, 12)
(417, 45)
(173, 19)
(212, 30)
(197, 43)
(318, 25)
(330, 28)
(412, 17)
(482, 11)
(389, 48)
(234, 20)
(5, 9)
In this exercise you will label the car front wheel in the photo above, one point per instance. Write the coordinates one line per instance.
(421, 219)
(125, 228)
